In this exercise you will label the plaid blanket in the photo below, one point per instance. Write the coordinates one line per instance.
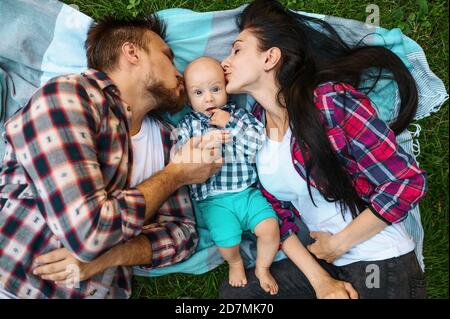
(45, 38)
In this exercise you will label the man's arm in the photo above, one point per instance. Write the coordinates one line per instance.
(169, 239)
(192, 164)
(54, 265)
(174, 226)
(159, 187)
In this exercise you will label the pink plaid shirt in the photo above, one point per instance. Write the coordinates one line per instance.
(385, 176)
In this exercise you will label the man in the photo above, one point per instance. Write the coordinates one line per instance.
(65, 184)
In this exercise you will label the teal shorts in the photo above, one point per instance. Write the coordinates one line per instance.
(228, 215)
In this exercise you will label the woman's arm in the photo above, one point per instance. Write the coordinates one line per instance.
(324, 285)
(384, 174)
(329, 247)
(387, 177)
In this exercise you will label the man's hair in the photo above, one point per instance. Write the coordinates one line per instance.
(105, 38)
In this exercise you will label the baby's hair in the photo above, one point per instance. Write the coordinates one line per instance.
(207, 58)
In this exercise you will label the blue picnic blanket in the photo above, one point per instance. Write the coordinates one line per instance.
(43, 39)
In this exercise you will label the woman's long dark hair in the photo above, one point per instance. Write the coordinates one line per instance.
(310, 57)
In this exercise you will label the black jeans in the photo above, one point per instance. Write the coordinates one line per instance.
(394, 278)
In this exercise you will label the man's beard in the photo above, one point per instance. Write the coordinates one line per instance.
(167, 100)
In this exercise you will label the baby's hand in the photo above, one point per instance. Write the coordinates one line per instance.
(219, 118)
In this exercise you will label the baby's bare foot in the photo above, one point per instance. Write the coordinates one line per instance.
(266, 281)
(237, 274)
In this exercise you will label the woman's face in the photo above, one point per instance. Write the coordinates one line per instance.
(245, 65)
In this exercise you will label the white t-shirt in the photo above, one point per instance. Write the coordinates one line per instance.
(148, 152)
(279, 177)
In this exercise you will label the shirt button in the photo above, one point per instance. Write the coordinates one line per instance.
(92, 292)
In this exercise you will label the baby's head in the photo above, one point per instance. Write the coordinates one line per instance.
(205, 84)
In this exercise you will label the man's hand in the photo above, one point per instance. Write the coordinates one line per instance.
(219, 118)
(214, 139)
(191, 164)
(60, 266)
(197, 160)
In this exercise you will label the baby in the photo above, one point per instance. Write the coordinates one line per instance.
(228, 202)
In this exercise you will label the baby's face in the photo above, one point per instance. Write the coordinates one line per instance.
(205, 84)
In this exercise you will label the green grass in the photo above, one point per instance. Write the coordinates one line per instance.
(426, 25)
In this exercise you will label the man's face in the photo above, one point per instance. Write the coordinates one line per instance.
(163, 83)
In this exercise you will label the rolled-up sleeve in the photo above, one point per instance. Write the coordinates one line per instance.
(172, 234)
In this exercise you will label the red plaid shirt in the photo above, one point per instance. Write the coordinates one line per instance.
(65, 183)
(385, 176)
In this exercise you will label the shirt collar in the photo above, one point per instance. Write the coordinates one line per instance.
(105, 83)
(100, 77)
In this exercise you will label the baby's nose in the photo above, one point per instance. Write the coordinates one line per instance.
(208, 96)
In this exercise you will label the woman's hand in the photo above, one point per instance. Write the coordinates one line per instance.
(329, 247)
(324, 285)
(60, 266)
(330, 288)
(326, 246)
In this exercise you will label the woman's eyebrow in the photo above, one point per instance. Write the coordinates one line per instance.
(236, 42)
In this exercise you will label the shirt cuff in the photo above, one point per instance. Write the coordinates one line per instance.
(287, 229)
(377, 214)
(132, 206)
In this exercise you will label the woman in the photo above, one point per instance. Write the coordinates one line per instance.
(329, 157)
